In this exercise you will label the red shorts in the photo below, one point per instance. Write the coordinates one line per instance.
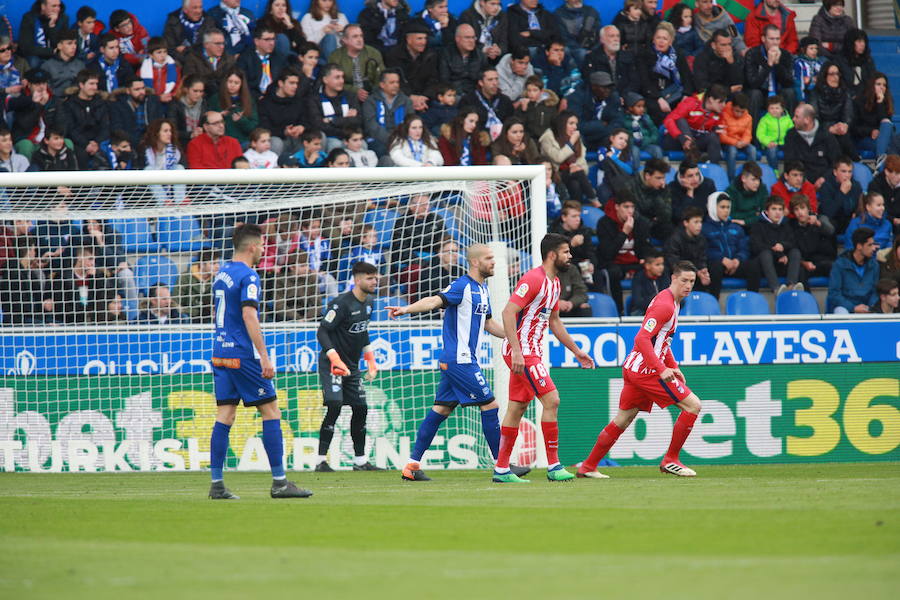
(535, 381)
(643, 391)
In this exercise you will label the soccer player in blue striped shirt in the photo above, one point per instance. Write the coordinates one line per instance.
(467, 311)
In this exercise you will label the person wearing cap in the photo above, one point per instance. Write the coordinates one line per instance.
(719, 63)
(40, 29)
(597, 106)
(491, 25)
(771, 12)
(34, 110)
(65, 65)
(642, 132)
(727, 246)
(416, 63)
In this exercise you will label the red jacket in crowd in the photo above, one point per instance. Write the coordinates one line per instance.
(203, 153)
(698, 118)
(783, 20)
(807, 189)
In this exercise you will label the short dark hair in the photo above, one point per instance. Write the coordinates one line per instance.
(4, 132)
(519, 52)
(67, 35)
(551, 243)
(741, 101)
(721, 32)
(350, 131)
(390, 72)
(683, 266)
(107, 38)
(776, 99)
(691, 212)
(686, 165)
(772, 201)
(753, 168)
(623, 195)
(334, 154)
(843, 160)
(306, 47)
(262, 29)
(244, 233)
(285, 73)
(885, 285)
(86, 75)
(364, 268)
(653, 254)
(861, 236)
(485, 71)
(328, 68)
(554, 41)
(798, 200)
(239, 159)
(717, 91)
(442, 88)
(793, 165)
(309, 135)
(117, 136)
(85, 12)
(156, 43)
(656, 165)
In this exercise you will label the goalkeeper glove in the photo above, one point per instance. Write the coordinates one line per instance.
(369, 357)
(337, 365)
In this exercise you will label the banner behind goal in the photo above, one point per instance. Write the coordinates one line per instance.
(107, 325)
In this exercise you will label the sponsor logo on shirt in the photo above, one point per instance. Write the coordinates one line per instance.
(481, 309)
(522, 290)
(359, 327)
(330, 316)
(650, 325)
(253, 291)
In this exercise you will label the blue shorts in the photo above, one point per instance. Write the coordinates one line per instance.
(463, 384)
(239, 379)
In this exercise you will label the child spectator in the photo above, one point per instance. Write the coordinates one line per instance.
(563, 145)
(558, 70)
(648, 282)
(687, 243)
(793, 182)
(282, 239)
(817, 249)
(870, 213)
(806, 67)
(159, 71)
(773, 247)
(132, 36)
(689, 188)
(772, 128)
(114, 70)
(615, 163)
(462, 142)
(411, 145)
(237, 106)
(514, 144)
(318, 249)
(888, 297)
(160, 150)
(624, 241)
(10, 161)
(694, 125)
(851, 285)
(748, 195)
(359, 156)
(443, 110)
(630, 25)
(64, 67)
(88, 40)
(727, 246)
(584, 254)
(260, 154)
(537, 108)
(687, 40)
(193, 292)
(839, 196)
(338, 158)
(367, 250)
(887, 183)
(53, 155)
(311, 155)
(644, 134)
(652, 197)
(737, 133)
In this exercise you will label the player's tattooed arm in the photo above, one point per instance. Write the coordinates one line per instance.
(562, 334)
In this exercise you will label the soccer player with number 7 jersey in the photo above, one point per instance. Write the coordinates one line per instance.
(534, 306)
(652, 377)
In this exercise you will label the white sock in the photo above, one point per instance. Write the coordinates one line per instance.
(282, 478)
(553, 466)
(502, 471)
(322, 458)
(360, 460)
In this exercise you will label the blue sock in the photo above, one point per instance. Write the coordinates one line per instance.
(274, 446)
(490, 424)
(426, 433)
(218, 448)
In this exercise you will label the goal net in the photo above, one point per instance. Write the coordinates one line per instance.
(105, 292)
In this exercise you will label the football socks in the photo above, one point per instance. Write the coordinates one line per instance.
(218, 448)
(274, 445)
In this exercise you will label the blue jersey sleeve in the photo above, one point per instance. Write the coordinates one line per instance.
(251, 290)
(453, 295)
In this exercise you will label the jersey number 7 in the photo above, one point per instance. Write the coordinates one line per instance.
(220, 308)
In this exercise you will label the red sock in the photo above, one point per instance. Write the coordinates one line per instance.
(605, 441)
(680, 433)
(551, 440)
(507, 441)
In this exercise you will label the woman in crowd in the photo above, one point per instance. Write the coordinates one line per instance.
(323, 25)
(513, 143)
(288, 32)
(871, 214)
(834, 106)
(237, 106)
(563, 146)
(830, 25)
(872, 126)
(188, 106)
(461, 142)
(412, 146)
(160, 150)
(855, 60)
(664, 75)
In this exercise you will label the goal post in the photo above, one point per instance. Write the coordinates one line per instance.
(107, 326)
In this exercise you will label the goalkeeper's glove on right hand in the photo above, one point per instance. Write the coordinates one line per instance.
(337, 365)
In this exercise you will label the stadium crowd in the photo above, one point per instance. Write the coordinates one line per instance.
(767, 129)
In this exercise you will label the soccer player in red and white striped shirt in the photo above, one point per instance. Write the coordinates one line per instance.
(652, 377)
(532, 307)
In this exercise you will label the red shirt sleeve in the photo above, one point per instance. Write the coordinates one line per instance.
(657, 315)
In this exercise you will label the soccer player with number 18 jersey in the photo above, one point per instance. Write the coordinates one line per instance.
(532, 308)
(652, 377)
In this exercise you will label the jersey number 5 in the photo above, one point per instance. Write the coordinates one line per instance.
(538, 371)
(220, 308)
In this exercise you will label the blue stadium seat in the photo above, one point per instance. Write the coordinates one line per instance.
(716, 173)
(626, 284)
(670, 176)
(700, 304)
(135, 236)
(152, 269)
(382, 219)
(180, 234)
(746, 303)
(602, 305)
(863, 175)
(817, 282)
(380, 313)
(734, 283)
(590, 215)
(628, 302)
(452, 224)
(796, 303)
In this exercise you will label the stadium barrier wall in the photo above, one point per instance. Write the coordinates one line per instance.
(785, 391)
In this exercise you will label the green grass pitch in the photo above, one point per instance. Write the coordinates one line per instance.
(803, 531)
